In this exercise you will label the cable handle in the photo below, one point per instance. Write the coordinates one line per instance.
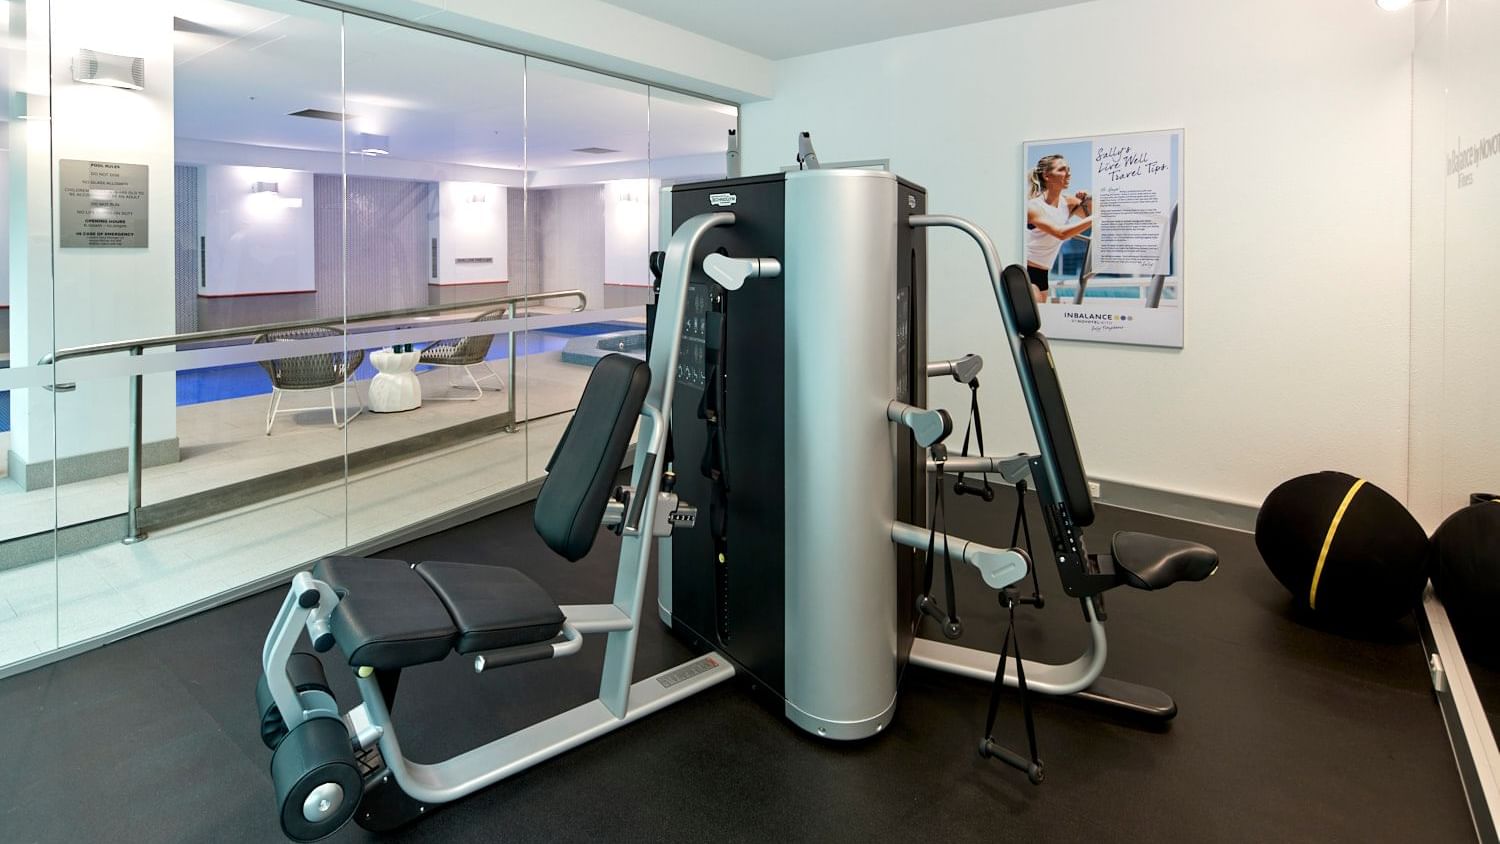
(952, 626)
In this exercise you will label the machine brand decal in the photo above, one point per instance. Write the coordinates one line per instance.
(687, 672)
(911, 202)
(722, 200)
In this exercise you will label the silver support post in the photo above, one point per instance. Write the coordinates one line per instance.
(133, 532)
(645, 475)
(510, 363)
(963, 370)
(1012, 469)
(1000, 567)
(927, 426)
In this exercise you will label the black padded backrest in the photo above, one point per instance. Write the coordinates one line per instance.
(1018, 290)
(582, 471)
(1059, 430)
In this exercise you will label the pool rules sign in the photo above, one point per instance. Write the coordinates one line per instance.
(102, 204)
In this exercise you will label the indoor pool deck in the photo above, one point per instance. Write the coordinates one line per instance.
(225, 441)
(101, 589)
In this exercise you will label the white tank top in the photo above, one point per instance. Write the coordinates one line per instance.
(1042, 248)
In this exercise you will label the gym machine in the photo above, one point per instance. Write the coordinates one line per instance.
(787, 367)
(385, 615)
(811, 309)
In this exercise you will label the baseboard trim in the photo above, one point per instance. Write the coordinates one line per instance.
(87, 467)
(1175, 504)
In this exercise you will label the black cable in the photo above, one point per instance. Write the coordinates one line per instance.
(975, 425)
(952, 626)
(1021, 525)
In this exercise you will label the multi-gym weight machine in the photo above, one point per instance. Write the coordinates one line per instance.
(784, 397)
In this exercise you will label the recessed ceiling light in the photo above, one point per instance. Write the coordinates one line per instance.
(595, 150)
(1393, 5)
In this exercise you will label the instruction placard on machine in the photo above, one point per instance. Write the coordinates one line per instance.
(102, 204)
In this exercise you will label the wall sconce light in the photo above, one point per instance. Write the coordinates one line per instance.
(96, 68)
(271, 193)
(371, 144)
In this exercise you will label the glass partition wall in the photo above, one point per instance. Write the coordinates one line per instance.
(285, 281)
(1455, 446)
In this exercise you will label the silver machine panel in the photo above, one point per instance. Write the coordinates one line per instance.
(841, 611)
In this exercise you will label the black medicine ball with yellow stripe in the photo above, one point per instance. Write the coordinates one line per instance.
(1465, 566)
(1343, 546)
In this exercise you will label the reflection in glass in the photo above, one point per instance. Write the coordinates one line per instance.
(364, 293)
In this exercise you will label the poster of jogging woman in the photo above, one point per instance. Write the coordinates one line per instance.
(1103, 237)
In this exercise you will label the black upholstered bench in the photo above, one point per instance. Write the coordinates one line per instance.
(393, 615)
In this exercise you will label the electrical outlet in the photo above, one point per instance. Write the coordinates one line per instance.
(1093, 489)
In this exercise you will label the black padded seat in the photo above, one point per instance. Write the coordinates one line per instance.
(387, 617)
(1147, 561)
(494, 607)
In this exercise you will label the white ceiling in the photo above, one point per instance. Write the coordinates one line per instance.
(779, 29)
(241, 68)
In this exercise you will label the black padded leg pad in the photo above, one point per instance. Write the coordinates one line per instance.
(387, 617)
(494, 607)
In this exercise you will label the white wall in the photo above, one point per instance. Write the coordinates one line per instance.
(471, 223)
(569, 240)
(681, 168)
(1296, 190)
(1429, 146)
(197, 151)
(256, 242)
(630, 217)
(103, 294)
(30, 234)
(5, 208)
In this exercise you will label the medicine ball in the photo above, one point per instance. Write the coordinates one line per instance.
(1343, 546)
(1465, 564)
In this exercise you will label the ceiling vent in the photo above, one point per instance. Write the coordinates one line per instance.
(321, 114)
(595, 150)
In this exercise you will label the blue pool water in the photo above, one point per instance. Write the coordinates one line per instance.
(217, 383)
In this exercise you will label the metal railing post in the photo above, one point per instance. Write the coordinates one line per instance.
(510, 365)
(133, 532)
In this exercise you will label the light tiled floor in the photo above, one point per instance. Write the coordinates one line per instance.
(83, 595)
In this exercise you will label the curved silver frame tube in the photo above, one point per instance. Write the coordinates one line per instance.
(1047, 678)
(1012, 335)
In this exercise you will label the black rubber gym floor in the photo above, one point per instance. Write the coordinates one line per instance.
(1285, 732)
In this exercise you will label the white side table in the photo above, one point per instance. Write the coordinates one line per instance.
(395, 387)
